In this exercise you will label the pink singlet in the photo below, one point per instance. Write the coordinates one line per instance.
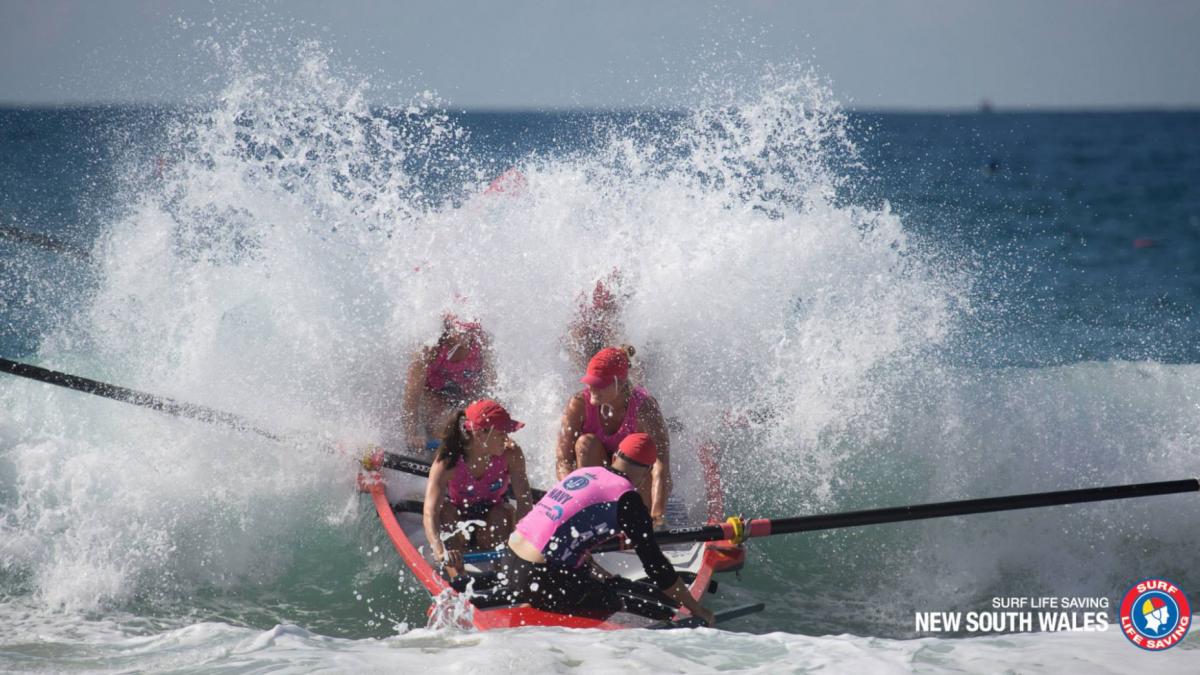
(466, 490)
(592, 424)
(456, 380)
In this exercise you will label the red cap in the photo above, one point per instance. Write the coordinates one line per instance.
(639, 449)
(487, 414)
(607, 364)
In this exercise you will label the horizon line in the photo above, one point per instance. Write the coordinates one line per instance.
(485, 110)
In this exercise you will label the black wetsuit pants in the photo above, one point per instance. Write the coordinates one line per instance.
(555, 588)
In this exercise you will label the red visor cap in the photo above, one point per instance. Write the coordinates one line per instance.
(639, 448)
(607, 364)
(487, 414)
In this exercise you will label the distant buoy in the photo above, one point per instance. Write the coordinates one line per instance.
(1144, 242)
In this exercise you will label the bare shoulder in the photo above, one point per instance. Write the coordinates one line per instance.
(423, 356)
(575, 406)
(650, 419)
(513, 451)
(439, 472)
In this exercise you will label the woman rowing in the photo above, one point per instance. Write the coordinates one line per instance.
(455, 370)
(469, 481)
(609, 409)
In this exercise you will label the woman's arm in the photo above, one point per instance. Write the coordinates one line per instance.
(414, 386)
(635, 523)
(679, 593)
(568, 434)
(435, 494)
(519, 478)
(651, 421)
(489, 367)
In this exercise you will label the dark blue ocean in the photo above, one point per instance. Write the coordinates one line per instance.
(899, 307)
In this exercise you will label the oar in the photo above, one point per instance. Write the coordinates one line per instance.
(133, 396)
(43, 241)
(763, 527)
(171, 406)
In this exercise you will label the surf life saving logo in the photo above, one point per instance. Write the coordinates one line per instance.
(575, 483)
(1155, 615)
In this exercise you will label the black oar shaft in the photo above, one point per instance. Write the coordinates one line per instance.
(986, 505)
(133, 396)
(412, 465)
(43, 241)
(764, 527)
(170, 406)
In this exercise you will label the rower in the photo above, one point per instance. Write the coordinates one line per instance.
(455, 370)
(607, 411)
(469, 481)
(597, 322)
(548, 562)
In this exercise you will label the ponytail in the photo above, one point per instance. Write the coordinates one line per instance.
(455, 438)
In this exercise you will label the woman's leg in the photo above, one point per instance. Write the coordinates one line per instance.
(452, 525)
(519, 577)
(499, 525)
(589, 451)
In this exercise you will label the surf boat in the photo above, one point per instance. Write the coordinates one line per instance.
(397, 487)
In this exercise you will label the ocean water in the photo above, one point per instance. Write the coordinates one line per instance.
(907, 308)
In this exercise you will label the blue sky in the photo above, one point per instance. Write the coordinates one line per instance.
(932, 54)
